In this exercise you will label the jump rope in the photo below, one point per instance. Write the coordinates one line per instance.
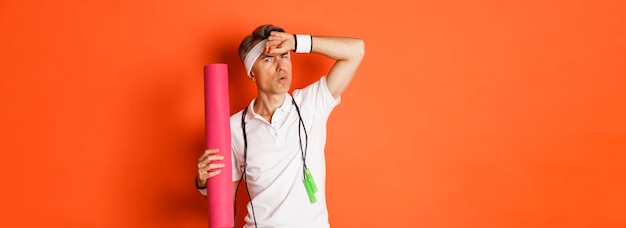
(309, 184)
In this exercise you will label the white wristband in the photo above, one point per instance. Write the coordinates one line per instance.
(304, 43)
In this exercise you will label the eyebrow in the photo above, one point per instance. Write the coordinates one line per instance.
(264, 55)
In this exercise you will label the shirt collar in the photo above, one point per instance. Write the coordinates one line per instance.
(285, 107)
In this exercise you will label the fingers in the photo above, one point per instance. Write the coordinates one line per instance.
(281, 36)
(215, 166)
(208, 152)
(206, 161)
(208, 156)
(273, 43)
(278, 43)
(208, 171)
(214, 173)
(209, 159)
(207, 167)
(272, 46)
(203, 177)
(210, 164)
(276, 50)
(210, 167)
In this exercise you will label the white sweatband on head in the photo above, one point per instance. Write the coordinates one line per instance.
(304, 43)
(252, 55)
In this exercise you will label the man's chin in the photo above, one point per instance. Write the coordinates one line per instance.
(285, 89)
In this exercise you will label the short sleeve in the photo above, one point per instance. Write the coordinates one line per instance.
(319, 97)
(236, 168)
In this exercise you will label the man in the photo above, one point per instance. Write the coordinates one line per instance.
(278, 140)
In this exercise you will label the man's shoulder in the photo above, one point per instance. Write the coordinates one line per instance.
(310, 89)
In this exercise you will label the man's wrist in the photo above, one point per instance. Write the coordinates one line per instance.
(198, 186)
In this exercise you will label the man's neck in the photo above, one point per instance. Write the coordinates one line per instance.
(265, 105)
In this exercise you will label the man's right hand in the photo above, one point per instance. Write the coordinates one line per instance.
(207, 166)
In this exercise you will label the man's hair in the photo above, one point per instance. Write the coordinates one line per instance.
(260, 33)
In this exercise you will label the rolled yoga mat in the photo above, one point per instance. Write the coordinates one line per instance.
(217, 125)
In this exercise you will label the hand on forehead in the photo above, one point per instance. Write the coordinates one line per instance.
(278, 43)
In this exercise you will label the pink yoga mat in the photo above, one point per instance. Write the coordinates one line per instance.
(217, 125)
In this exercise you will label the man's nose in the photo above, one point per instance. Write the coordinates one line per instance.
(280, 64)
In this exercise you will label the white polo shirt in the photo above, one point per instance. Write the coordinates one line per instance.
(274, 162)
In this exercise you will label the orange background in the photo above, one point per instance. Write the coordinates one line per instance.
(463, 113)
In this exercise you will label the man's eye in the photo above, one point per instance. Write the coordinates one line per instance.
(267, 59)
(284, 56)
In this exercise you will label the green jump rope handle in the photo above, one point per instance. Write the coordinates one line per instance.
(309, 177)
(310, 187)
(309, 191)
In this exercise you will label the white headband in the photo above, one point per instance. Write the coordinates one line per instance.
(252, 55)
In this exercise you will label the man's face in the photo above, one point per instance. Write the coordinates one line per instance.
(273, 73)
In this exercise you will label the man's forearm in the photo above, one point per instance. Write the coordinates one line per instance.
(339, 48)
(348, 53)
